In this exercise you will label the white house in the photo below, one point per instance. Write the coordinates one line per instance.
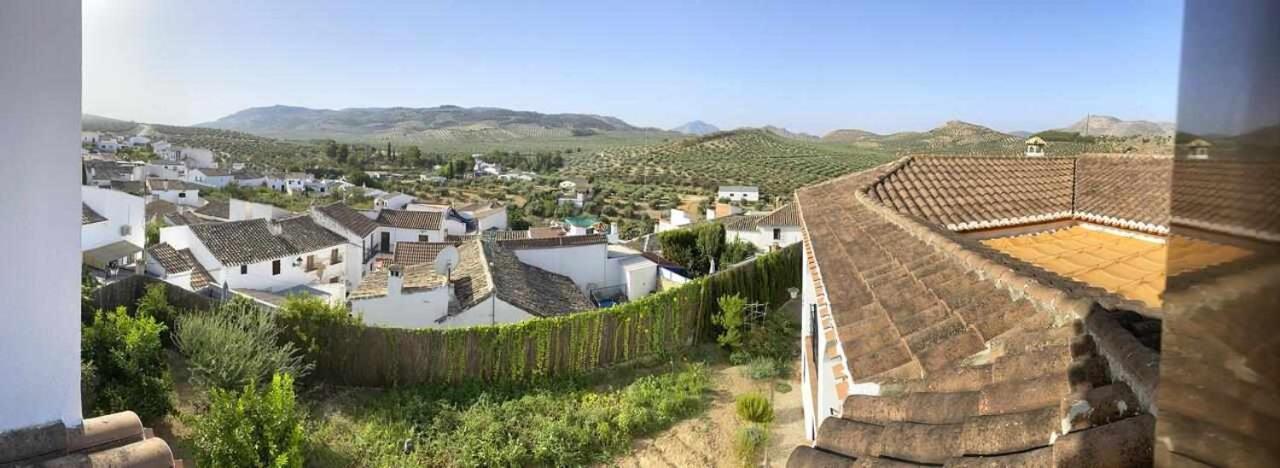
(174, 191)
(738, 193)
(393, 200)
(163, 149)
(210, 176)
(248, 179)
(270, 256)
(574, 192)
(240, 210)
(165, 170)
(675, 220)
(485, 216)
(102, 173)
(139, 140)
(290, 182)
(408, 226)
(112, 232)
(358, 230)
(107, 144)
(774, 230)
(581, 258)
(489, 285)
(197, 157)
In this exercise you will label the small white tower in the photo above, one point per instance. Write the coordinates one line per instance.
(1035, 147)
(1198, 149)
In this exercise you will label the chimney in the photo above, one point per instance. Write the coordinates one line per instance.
(395, 279)
(275, 228)
(613, 233)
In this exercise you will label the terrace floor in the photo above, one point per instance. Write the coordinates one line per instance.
(1131, 265)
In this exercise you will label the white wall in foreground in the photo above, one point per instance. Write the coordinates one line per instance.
(40, 125)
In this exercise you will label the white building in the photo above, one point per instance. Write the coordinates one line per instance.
(489, 285)
(136, 141)
(107, 144)
(197, 157)
(359, 230)
(779, 228)
(165, 170)
(408, 226)
(581, 258)
(174, 191)
(675, 220)
(112, 232)
(210, 177)
(1035, 147)
(248, 179)
(738, 193)
(393, 200)
(484, 216)
(270, 256)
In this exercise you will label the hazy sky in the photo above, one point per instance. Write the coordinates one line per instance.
(810, 66)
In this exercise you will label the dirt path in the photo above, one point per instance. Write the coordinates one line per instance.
(707, 441)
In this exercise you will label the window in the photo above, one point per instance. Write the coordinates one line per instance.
(424, 238)
(244, 269)
(311, 262)
(182, 194)
(334, 259)
(275, 267)
(777, 234)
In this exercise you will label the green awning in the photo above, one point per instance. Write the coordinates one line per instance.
(119, 251)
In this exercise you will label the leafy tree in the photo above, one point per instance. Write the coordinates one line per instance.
(413, 156)
(732, 319)
(331, 149)
(129, 365)
(155, 304)
(344, 153)
(251, 428)
(736, 251)
(305, 318)
(711, 242)
(153, 232)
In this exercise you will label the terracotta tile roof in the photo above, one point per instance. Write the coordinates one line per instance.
(427, 220)
(169, 258)
(131, 187)
(414, 253)
(532, 289)
(200, 277)
(156, 184)
(968, 366)
(252, 241)
(349, 218)
(302, 234)
(185, 218)
(788, 215)
(1224, 196)
(552, 242)
(159, 208)
(471, 280)
(88, 216)
(420, 277)
(1124, 191)
(965, 193)
(216, 209)
(739, 222)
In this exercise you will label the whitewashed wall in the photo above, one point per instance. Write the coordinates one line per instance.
(492, 310)
(497, 220)
(584, 264)
(417, 310)
(406, 235)
(641, 277)
(192, 197)
(40, 125)
(120, 209)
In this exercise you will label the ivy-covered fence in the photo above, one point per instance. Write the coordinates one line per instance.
(660, 323)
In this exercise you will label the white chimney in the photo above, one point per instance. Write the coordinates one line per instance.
(275, 228)
(395, 279)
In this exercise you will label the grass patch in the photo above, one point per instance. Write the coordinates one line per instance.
(568, 422)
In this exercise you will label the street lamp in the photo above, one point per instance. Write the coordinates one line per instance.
(793, 291)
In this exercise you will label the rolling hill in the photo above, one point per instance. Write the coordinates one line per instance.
(1105, 125)
(443, 124)
(953, 137)
(98, 123)
(746, 156)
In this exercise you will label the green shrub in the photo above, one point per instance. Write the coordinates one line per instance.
(155, 303)
(250, 428)
(735, 252)
(305, 318)
(235, 345)
(782, 387)
(754, 407)
(731, 318)
(750, 443)
(762, 368)
(128, 364)
(776, 337)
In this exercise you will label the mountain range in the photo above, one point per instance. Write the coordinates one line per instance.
(696, 127)
(431, 123)
(1100, 125)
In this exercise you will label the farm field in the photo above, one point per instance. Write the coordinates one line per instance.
(776, 164)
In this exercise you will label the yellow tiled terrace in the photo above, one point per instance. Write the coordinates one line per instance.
(1133, 266)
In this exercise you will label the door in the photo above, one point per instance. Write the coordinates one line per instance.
(386, 242)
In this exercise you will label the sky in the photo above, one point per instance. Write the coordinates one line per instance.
(805, 65)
